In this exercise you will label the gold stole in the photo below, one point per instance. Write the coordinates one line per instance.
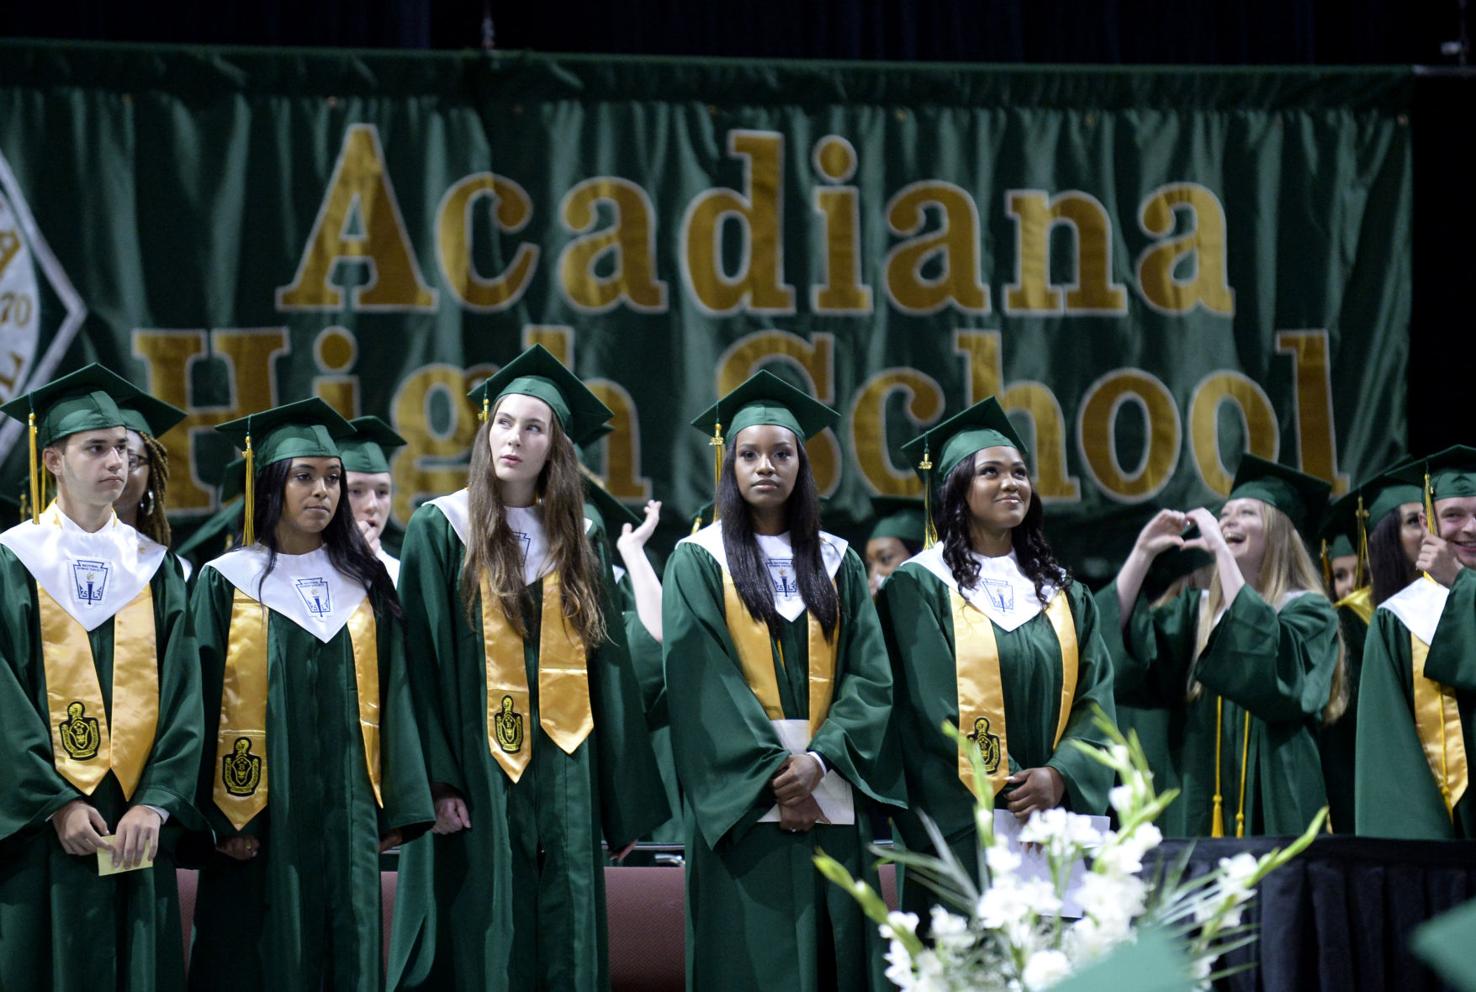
(981, 704)
(1438, 724)
(84, 746)
(1360, 601)
(756, 658)
(563, 680)
(241, 741)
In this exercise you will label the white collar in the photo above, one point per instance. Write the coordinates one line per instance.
(305, 589)
(92, 575)
(1418, 606)
(779, 557)
(526, 523)
(1003, 593)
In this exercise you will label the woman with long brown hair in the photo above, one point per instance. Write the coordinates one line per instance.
(528, 706)
(1256, 661)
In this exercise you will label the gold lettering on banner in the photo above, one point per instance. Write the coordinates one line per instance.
(622, 474)
(169, 356)
(1262, 433)
(558, 339)
(1096, 428)
(1312, 386)
(359, 221)
(842, 292)
(1203, 247)
(436, 463)
(1036, 215)
(629, 244)
(334, 352)
(869, 441)
(817, 363)
(984, 352)
(954, 246)
(758, 284)
(511, 209)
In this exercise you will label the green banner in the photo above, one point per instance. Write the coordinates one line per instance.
(1154, 269)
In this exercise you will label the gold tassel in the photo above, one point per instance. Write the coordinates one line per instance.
(1429, 509)
(1217, 819)
(930, 530)
(35, 478)
(1327, 576)
(486, 413)
(248, 525)
(717, 444)
(1245, 741)
(1360, 573)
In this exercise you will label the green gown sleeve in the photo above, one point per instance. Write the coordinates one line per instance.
(31, 789)
(1087, 780)
(855, 739)
(645, 655)
(403, 784)
(1452, 657)
(1151, 653)
(430, 564)
(726, 749)
(1278, 664)
(169, 779)
(1395, 795)
(632, 797)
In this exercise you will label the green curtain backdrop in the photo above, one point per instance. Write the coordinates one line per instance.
(1155, 269)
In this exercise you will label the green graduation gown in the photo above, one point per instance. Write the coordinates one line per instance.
(1339, 741)
(61, 925)
(1276, 664)
(1397, 792)
(305, 913)
(645, 656)
(518, 901)
(917, 616)
(759, 915)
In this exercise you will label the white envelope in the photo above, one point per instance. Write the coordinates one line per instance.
(832, 795)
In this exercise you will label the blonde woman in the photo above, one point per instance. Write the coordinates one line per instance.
(1255, 661)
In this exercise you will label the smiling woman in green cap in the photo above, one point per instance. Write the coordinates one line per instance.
(100, 738)
(988, 632)
(528, 703)
(368, 482)
(313, 761)
(779, 695)
(1418, 653)
(1255, 662)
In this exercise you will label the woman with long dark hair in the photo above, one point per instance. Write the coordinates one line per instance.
(989, 632)
(1376, 530)
(1255, 663)
(313, 764)
(1418, 655)
(779, 696)
(529, 707)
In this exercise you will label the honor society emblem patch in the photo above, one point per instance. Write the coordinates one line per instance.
(316, 596)
(90, 580)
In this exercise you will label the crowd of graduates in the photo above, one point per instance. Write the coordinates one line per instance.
(278, 701)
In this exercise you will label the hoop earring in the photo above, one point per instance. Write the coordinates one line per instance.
(146, 507)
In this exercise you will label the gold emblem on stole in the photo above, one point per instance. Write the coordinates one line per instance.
(240, 771)
(80, 733)
(987, 743)
(508, 725)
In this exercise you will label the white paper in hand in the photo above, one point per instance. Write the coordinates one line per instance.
(832, 795)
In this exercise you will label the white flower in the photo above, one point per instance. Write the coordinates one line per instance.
(1061, 832)
(950, 932)
(1236, 874)
(901, 921)
(1002, 860)
(1123, 853)
(1044, 969)
(1111, 902)
(1120, 796)
(899, 965)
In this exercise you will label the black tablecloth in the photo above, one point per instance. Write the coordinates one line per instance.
(1339, 917)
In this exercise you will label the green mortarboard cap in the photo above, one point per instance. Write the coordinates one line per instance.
(1303, 498)
(1444, 943)
(1452, 472)
(537, 373)
(595, 434)
(367, 450)
(143, 414)
(1340, 521)
(702, 517)
(1153, 962)
(898, 516)
(308, 428)
(85, 400)
(611, 512)
(1341, 546)
(233, 481)
(983, 425)
(766, 399)
(1391, 489)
